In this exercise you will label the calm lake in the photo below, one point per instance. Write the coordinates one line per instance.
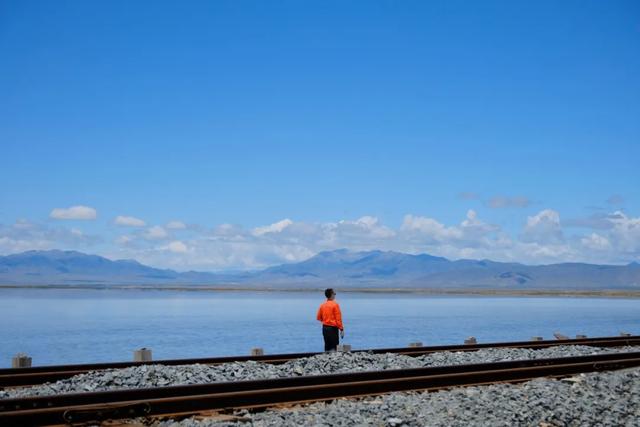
(81, 326)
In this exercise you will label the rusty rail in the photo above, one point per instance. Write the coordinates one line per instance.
(99, 406)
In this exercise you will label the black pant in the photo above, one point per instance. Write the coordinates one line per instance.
(330, 335)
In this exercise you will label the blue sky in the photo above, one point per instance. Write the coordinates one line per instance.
(231, 135)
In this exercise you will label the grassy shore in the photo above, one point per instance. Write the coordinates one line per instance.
(605, 293)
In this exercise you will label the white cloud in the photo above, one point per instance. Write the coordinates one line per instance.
(364, 228)
(123, 240)
(431, 229)
(156, 233)
(129, 221)
(176, 225)
(625, 234)
(472, 227)
(74, 212)
(23, 224)
(177, 247)
(229, 232)
(613, 238)
(544, 227)
(471, 232)
(277, 227)
(25, 235)
(600, 221)
(10, 245)
(596, 242)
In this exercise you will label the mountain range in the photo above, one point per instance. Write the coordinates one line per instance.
(339, 268)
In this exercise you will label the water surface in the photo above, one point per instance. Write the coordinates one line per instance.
(56, 326)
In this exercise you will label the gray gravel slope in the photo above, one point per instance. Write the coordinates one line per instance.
(599, 399)
(325, 363)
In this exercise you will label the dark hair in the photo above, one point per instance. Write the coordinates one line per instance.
(328, 292)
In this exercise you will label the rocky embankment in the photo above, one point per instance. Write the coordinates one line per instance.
(609, 399)
(603, 398)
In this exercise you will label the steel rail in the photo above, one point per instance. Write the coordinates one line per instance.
(12, 377)
(99, 406)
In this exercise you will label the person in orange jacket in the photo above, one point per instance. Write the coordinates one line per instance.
(331, 317)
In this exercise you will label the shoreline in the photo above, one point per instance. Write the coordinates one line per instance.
(605, 293)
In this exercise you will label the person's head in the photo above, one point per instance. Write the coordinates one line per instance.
(329, 293)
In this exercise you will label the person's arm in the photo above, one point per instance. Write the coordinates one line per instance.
(319, 315)
(338, 316)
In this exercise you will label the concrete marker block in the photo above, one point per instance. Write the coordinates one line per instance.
(257, 351)
(344, 347)
(559, 336)
(142, 355)
(580, 337)
(471, 341)
(21, 360)
(625, 334)
(537, 339)
(416, 344)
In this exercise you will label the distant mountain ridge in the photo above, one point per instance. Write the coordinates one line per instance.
(343, 268)
(394, 269)
(66, 267)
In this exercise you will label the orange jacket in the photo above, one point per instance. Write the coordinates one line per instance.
(329, 314)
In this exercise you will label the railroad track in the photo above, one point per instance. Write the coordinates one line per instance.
(43, 374)
(188, 400)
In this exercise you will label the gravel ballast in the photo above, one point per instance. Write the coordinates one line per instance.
(326, 363)
(595, 399)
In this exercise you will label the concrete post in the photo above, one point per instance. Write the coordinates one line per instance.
(344, 347)
(580, 337)
(257, 351)
(416, 344)
(536, 339)
(21, 360)
(471, 341)
(142, 355)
